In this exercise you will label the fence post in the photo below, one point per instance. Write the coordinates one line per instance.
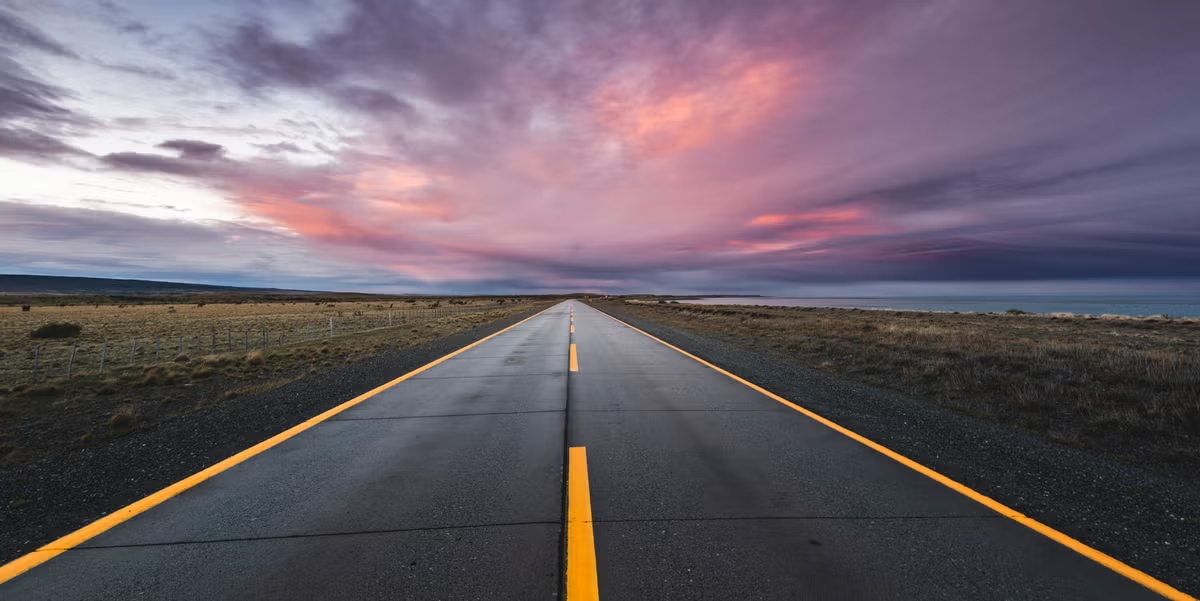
(389, 319)
(180, 345)
(331, 327)
(71, 360)
(264, 338)
(157, 348)
(37, 354)
(103, 354)
(212, 342)
(197, 344)
(132, 350)
(229, 338)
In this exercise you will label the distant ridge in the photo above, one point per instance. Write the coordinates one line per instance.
(51, 284)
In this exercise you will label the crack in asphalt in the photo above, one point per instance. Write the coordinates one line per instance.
(358, 419)
(299, 536)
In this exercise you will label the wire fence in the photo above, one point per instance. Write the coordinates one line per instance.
(76, 358)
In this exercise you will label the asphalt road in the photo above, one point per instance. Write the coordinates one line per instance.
(450, 485)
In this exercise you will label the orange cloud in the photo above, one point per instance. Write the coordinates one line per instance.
(821, 216)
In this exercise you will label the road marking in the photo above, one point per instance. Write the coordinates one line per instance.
(574, 358)
(51, 550)
(572, 328)
(582, 584)
(1095, 555)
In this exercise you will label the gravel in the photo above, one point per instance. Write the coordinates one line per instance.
(1146, 519)
(45, 500)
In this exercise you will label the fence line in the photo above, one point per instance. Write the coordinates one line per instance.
(70, 359)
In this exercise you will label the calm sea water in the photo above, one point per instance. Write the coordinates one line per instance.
(1175, 307)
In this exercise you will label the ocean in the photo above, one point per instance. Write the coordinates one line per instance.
(1140, 307)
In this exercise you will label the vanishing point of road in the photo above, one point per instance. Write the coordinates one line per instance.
(571, 455)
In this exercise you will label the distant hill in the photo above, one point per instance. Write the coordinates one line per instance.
(28, 285)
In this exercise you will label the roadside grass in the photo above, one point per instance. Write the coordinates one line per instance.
(61, 331)
(1130, 387)
(57, 415)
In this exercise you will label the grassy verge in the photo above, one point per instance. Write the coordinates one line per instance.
(1129, 387)
(57, 415)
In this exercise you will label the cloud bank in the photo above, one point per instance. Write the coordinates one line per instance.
(670, 145)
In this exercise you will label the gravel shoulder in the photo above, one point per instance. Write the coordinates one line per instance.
(42, 501)
(1148, 519)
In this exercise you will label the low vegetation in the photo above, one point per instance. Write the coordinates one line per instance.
(57, 330)
(150, 375)
(1127, 386)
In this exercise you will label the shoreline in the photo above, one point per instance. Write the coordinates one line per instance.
(1011, 311)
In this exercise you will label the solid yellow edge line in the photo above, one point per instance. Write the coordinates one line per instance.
(51, 550)
(582, 583)
(574, 359)
(1095, 555)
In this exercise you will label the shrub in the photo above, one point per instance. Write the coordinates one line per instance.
(1017, 312)
(123, 418)
(42, 390)
(57, 330)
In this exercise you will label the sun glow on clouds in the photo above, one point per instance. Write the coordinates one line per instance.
(661, 117)
(821, 216)
(654, 142)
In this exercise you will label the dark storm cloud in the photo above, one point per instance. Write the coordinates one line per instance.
(17, 32)
(24, 96)
(153, 163)
(258, 58)
(194, 149)
(31, 144)
(371, 100)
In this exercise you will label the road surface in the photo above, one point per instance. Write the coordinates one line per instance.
(452, 484)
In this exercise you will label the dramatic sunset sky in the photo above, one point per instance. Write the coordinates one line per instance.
(777, 147)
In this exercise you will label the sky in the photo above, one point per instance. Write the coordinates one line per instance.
(467, 146)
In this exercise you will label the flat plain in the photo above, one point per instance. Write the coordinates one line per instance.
(139, 360)
(1129, 387)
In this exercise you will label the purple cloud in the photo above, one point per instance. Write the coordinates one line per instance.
(31, 144)
(194, 149)
(15, 31)
(536, 144)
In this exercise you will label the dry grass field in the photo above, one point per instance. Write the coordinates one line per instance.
(137, 334)
(168, 356)
(1128, 386)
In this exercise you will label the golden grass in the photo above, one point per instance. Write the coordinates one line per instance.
(56, 413)
(138, 334)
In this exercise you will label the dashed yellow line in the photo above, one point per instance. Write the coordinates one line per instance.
(582, 583)
(1095, 555)
(572, 328)
(49, 551)
(574, 362)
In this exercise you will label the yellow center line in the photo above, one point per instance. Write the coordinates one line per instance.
(574, 358)
(572, 328)
(582, 584)
(53, 549)
(1095, 555)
